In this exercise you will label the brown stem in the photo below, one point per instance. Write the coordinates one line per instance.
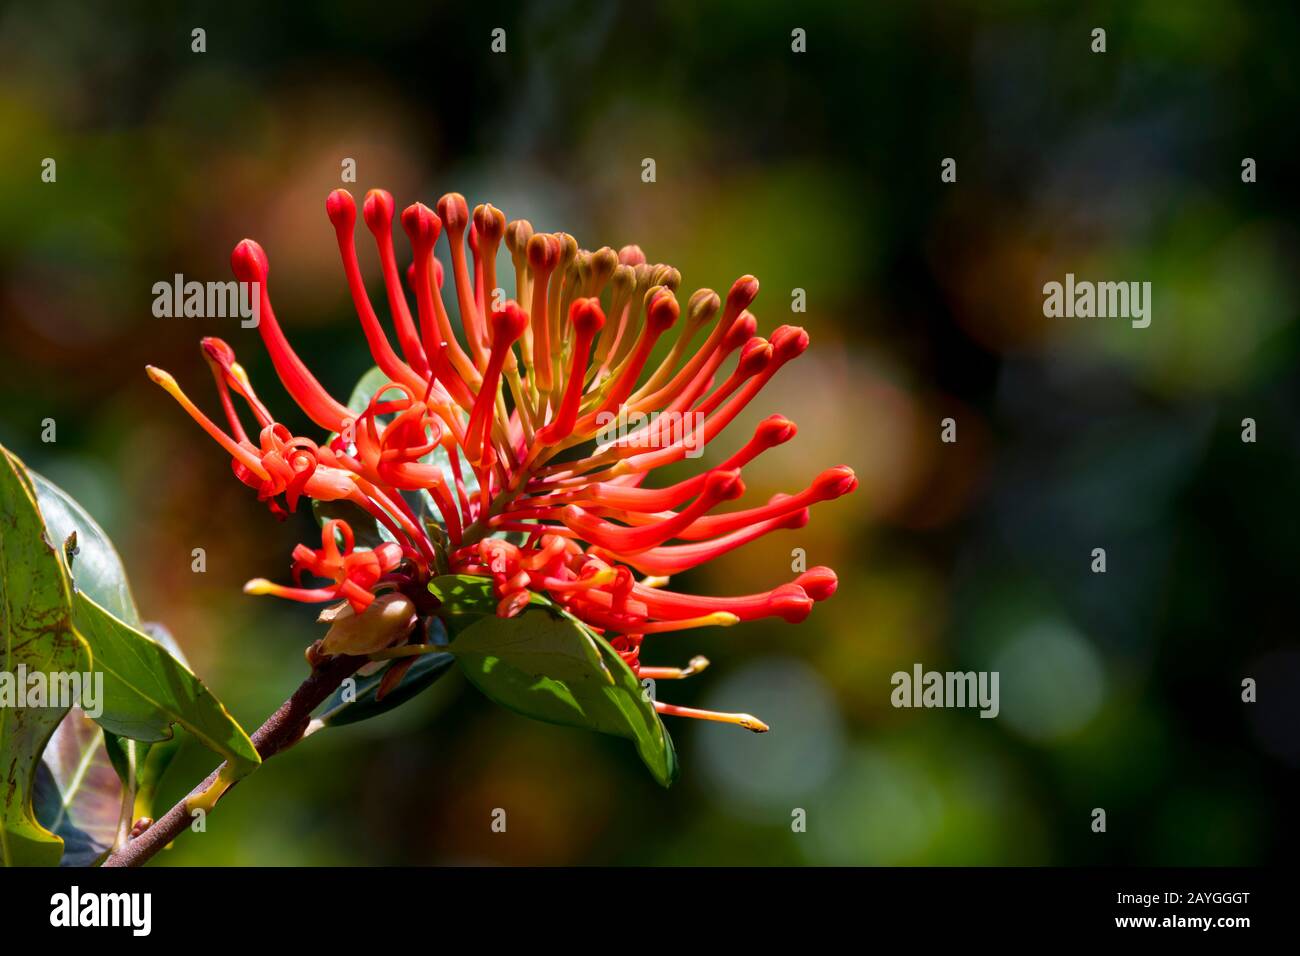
(281, 730)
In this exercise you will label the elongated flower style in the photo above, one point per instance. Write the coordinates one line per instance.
(530, 435)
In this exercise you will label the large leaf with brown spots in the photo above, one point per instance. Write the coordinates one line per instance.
(36, 637)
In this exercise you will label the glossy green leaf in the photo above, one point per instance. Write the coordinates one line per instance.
(130, 758)
(151, 770)
(36, 634)
(546, 664)
(350, 705)
(162, 635)
(147, 685)
(365, 389)
(140, 767)
(146, 690)
(467, 597)
(357, 701)
(123, 755)
(78, 794)
(98, 569)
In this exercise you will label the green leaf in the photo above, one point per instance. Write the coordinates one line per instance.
(140, 767)
(467, 597)
(147, 685)
(35, 633)
(161, 635)
(98, 568)
(132, 758)
(365, 390)
(146, 690)
(546, 664)
(340, 710)
(78, 794)
(156, 760)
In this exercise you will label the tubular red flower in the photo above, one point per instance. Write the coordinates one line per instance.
(507, 325)
(829, 485)
(342, 213)
(719, 486)
(422, 227)
(354, 573)
(674, 559)
(661, 312)
(378, 213)
(454, 213)
(587, 319)
(250, 265)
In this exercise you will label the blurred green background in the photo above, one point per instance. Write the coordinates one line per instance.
(817, 171)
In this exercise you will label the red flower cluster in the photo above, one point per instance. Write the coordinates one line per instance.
(542, 421)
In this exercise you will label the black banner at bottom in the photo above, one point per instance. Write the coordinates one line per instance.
(309, 906)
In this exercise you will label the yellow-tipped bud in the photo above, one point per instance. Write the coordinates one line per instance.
(240, 375)
(750, 722)
(697, 664)
(162, 377)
